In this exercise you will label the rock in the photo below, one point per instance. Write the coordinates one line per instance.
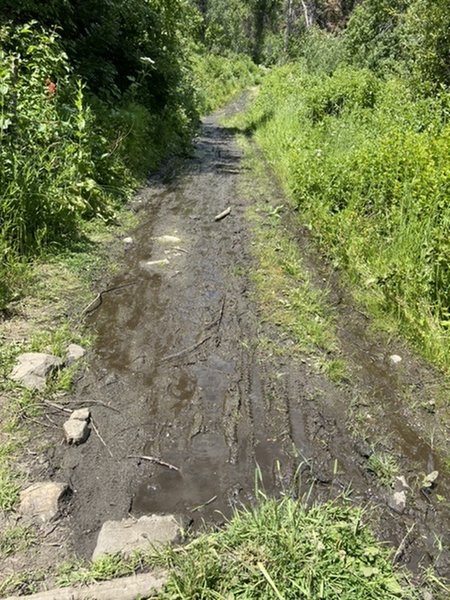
(400, 484)
(128, 241)
(168, 239)
(398, 502)
(130, 534)
(81, 414)
(154, 266)
(74, 353)
(33, 368)
(41, 501)
(395, 359)
(427, 596)
(76, 431)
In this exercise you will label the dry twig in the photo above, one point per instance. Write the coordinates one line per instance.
(94, 427)
(223, 214)
(186, 350)
(156, 461)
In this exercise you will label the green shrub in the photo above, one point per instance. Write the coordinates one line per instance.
(47, 176)
(218, 78)
(368, 164)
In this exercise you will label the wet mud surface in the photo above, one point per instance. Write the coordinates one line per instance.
(177, 374)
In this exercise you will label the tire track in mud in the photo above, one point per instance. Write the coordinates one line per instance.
(177, 357)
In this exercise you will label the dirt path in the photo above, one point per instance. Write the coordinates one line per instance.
(177, 363)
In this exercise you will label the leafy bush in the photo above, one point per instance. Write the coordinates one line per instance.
(218, 78)
(368, 164)
(47, 179)
(426, 32)
(373, 37)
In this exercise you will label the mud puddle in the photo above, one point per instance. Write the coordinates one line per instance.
(178, 375)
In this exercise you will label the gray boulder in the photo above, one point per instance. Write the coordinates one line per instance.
(74, 353)
(130, 534)
(76, 431)
(33, 369)
(41, 501)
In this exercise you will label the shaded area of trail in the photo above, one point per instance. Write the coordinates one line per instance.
(178, 365)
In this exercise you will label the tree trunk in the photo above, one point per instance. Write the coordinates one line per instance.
(308, 12)
(289, 21)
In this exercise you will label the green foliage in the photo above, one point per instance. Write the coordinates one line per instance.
(65, 154)
(319, 51)
(368, 164)
(281, 549)
(427, 37)
(218, 78)
(15, 539)
(373, 37)
(47, 176)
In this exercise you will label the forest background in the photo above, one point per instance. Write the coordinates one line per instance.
(352, 113)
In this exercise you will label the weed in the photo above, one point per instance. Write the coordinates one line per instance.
(384, 466)
(365, 161)
(283, 286)
(23, 583)
(15, 539)
(282, 549)
(218, 78)
(9, 488)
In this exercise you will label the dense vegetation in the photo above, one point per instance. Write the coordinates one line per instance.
(92, 96)
(353, 116)
(357, 127)
(285, 550)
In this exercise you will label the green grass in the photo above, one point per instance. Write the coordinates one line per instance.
(15, 539)
(218, 78)
(366, 163)
(384, 466)
(284, 289)
(9, 488)
(284, 550)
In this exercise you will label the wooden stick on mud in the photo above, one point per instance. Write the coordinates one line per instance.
(94, 427)
(99, 297)
(58, 406)
(125, 588)
(186, 350)
(210, 501)
(99, 402)
(156, 461)
(223, 214)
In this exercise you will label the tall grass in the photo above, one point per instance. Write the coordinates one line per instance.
(218, 78)
(368, 164)
(282, 550)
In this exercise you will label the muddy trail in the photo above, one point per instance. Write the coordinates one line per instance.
(177, 374)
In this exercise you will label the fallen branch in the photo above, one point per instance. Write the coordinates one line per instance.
(99, 297)
(223, 214)
(94, 427)
(58, 406)
(217, 322)
(205, 504)
(186, 350)
(156, 461)
(99, 402)
(125, 588)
